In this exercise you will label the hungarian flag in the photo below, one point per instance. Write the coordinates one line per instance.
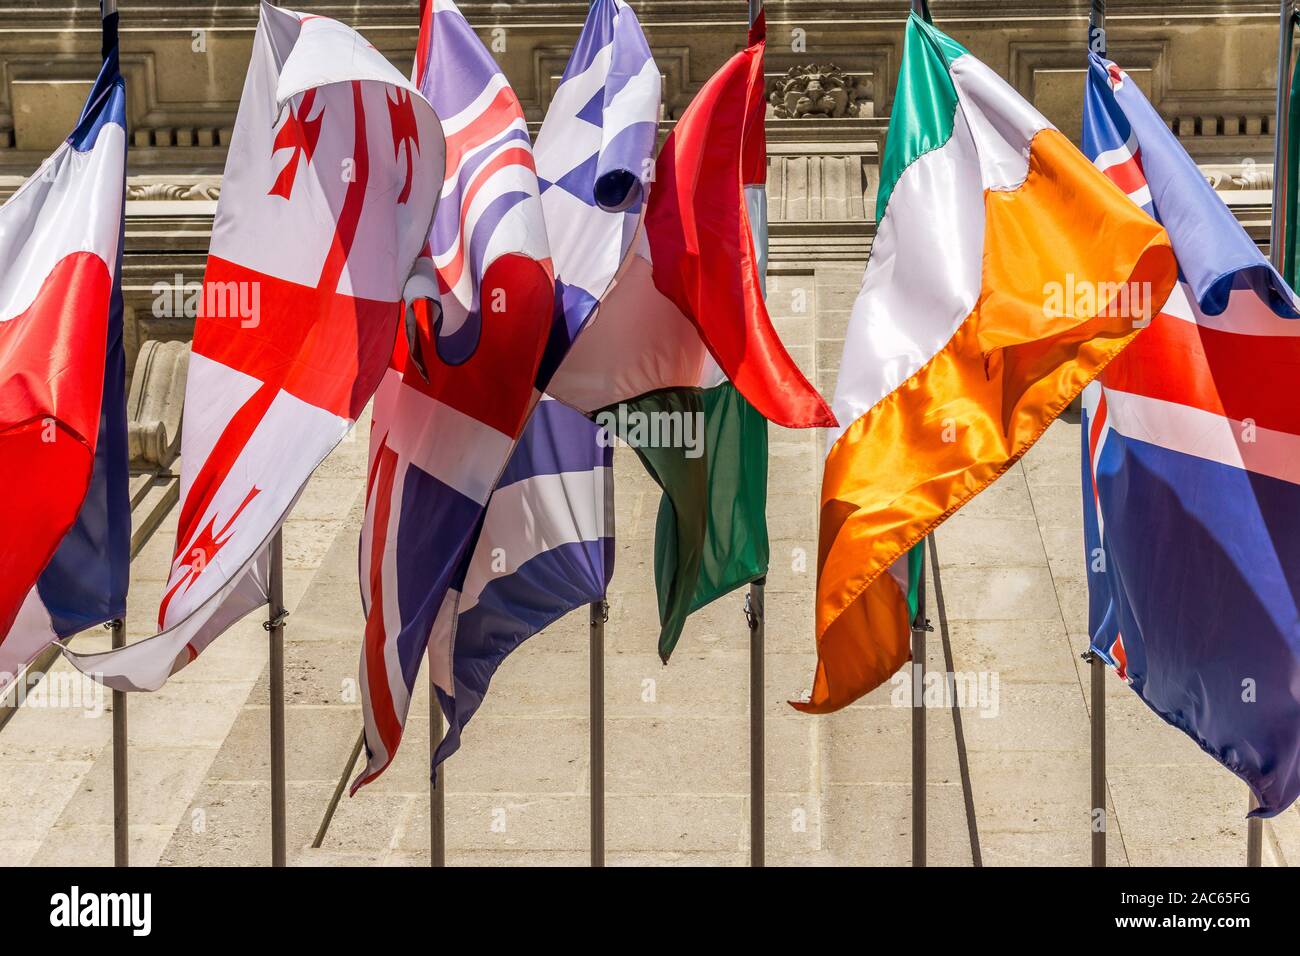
(330, 185)
(695, 347)
(693, 290)
(958, 355)
(63, 459)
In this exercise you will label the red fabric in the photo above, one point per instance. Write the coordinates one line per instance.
(703, 250)
(51, 384)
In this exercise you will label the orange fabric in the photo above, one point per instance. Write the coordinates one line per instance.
(979, 404)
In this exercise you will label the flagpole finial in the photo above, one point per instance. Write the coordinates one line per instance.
(108, 15)
(757, 22)
(1097, 27)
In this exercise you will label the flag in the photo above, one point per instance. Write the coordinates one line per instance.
(63, 457)
(546, 545)
(670, 345)
(446, 418)
(711, 529)
(595, 153)
(334, 148)
(958, 354)
(692, 292)
(1191, 470)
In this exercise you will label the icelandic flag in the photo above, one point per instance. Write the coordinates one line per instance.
(1191, 470)
(334, 148)
(595, 156)
(64, 505)
(447, 416)
(546, 546)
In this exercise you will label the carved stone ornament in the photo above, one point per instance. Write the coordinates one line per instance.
(155, 403)
(817, 90)
(206, 188)
(1230, 177)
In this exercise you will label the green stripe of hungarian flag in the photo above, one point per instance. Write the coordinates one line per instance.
(711, 533)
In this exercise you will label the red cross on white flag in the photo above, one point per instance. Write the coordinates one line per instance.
(333, 174)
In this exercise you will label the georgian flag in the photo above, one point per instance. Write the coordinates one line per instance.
(331, 182)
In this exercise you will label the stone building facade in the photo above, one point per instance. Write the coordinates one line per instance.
(1209, 68)
(1012, 788)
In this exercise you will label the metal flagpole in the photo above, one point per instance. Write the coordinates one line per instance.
(121, 823)
(438, 788)
(1096, 666)
(757, 681)
(1097, 695)
(920, 625)
(599, 616)
(275, 626)
(1277, 252)
(757, 762)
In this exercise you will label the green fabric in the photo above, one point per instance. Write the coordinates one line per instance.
(1290, 256)
(736, 546)
(925, 104)
(922, 118)
(915, 564)
(711, 532)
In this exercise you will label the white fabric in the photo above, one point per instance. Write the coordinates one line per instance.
(32, 630)
(61, 210)
(925, 273)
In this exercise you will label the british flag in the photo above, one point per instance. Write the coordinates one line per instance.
(1191, 470)
(459, 390)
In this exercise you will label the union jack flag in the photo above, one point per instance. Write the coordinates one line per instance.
(1191, 471)
(546, 544)
(447, 417)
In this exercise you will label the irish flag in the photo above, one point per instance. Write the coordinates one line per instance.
(1006, 272)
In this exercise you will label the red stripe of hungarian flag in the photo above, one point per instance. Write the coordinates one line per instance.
(702, 246)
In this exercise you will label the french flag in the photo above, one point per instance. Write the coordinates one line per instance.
(64, 507)
(1191, 470)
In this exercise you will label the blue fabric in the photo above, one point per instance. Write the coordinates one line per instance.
(1194, 566)
(86, 581)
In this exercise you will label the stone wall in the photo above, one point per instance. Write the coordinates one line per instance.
(1208, 67)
